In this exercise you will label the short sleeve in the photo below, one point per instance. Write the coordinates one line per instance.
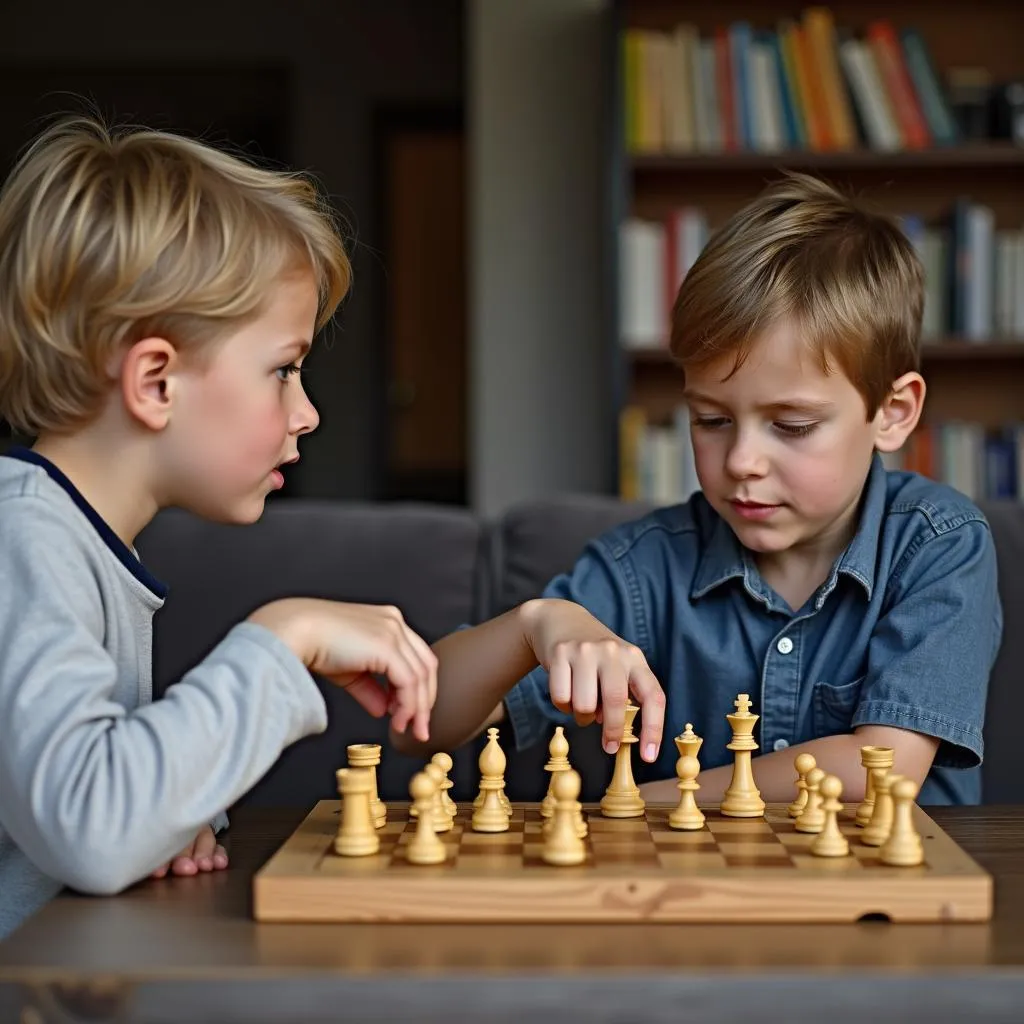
(598, 584)
(932, 652)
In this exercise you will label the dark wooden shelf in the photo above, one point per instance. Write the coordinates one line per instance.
(980, 155)
(949, 350)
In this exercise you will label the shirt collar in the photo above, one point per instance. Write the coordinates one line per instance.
(724, 558)
(859, 559)
(124, 554)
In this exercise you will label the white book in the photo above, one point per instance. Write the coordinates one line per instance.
(869, 95)
(1006, 282)
(978, 321)
(642, 284)
(709, 90)
(1018, 291)
(768, 133)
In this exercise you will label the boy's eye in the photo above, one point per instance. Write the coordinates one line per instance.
(710, 422)
(284, 372)
(794, 429)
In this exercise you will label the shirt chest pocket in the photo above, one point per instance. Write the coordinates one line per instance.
(833, 706)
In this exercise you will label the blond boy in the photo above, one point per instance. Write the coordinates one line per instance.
(157, 300)
(855, 605)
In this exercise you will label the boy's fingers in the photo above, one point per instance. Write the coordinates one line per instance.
(161, 871)
(367, 692)
(584, 687)
(220, 857)
(560, 683)
(202, 853)
(651, 699)
(184, 866)
(429, 661)
(614, 694)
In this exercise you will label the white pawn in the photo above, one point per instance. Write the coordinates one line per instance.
(562, 843)
(812, 817)
(830, 842)
(804, 764)
(424, 847)
(442, 820)
(877, 829)
(903, 848)
(444, 762)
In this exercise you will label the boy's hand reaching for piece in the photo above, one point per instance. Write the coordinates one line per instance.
(204, 853)
(350, 644)
(593, 672)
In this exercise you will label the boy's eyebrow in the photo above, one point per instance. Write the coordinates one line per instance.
(795, 403)
(301, 344)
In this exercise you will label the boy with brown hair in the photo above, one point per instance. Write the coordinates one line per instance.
(157, 299)
(855, 605)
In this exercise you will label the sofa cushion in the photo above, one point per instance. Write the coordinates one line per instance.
(1002, 778)
(424, 559)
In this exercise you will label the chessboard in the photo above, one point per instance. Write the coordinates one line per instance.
(636, 869)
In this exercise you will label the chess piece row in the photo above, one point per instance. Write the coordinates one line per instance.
(885, 815)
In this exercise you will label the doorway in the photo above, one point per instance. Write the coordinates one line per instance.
(422, 207)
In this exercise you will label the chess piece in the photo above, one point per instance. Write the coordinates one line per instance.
(558, 761)
(812, 817)
(877, 829)
(444, 762)
(504, 800)
(562, 843)
(803, 764)
(742, 799)
(830, 842)
(367, 755)
(687, 815)
(903, 848)
(425, 847)
(876, 761)
(356, 836)
(622, 798)
(491, 815)
(441, 819)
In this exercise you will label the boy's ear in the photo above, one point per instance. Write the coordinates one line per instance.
(146, 381)
(899, 412)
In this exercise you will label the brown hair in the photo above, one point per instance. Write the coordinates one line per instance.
(107, 237)
(845, 274)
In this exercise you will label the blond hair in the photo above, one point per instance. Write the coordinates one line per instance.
(846, 275)
(109, 236)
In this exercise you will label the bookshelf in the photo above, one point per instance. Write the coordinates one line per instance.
(975, 376)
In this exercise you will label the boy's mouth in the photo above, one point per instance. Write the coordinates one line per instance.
(753, 509)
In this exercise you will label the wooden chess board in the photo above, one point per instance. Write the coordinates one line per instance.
(637, 869)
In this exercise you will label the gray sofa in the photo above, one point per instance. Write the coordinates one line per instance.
(443, 567)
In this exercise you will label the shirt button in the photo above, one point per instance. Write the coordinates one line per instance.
(779, 745)
(785, 645)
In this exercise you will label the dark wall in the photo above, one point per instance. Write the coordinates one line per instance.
(341, 60)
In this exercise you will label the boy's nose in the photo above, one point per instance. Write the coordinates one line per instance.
(305, 418)
(744, 459)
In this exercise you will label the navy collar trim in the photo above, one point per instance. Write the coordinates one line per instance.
(119, 549)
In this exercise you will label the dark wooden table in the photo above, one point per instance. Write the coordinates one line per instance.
(188, 949)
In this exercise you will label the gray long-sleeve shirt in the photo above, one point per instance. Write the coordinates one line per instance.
(99, 785)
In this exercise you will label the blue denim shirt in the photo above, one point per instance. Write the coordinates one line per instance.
(903, 632)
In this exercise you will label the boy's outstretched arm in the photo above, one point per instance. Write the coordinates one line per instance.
(775, 774)
(592, 674)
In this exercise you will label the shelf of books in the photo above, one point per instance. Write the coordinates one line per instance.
(917, 107)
